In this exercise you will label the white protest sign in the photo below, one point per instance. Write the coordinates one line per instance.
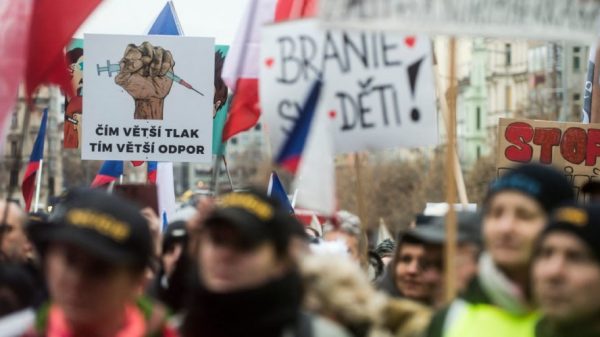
(572, 20)
(148, 98)
(378, 87)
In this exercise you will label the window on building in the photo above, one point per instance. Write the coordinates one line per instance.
(13, 148)
(234, 141)
(576, 97)
(508, 52)
(258, 127)
(14, 119)
(576, 50)
(478, 151)
(576, 62)
(478, 117)
(508, 98)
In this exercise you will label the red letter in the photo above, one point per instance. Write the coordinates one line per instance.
(593, 151)
(519, 134)
(572, 146)
(547, 138)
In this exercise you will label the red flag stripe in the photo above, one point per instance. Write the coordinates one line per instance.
(244, 112)
(53, 24)
(28, 184)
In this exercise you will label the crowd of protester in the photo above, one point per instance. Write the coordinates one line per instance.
(527, 264)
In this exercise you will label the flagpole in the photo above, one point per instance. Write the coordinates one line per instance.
(359, 192)
(38, 185)
(458, 176)
(451, 172)
(228, 174)
(215, 174)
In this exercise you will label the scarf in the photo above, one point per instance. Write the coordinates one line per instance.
(265, 311)
(501, 290)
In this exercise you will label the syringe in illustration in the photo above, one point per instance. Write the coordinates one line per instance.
(115, 68)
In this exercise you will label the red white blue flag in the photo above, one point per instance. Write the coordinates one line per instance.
(37, 154)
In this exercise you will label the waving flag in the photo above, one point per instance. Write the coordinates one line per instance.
(14, 24)
(277, 191)
(240, 71)
(37, 154)
(110, 171)
(291, 151)
(293, 9)
(242, 63)
(151, 172)
(308, 152)
(52, 26)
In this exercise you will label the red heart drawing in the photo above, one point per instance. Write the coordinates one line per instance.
(410, 41)
(332, 114)
(269, 62)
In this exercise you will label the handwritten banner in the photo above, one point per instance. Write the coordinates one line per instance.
(574, 148)
(378, 88)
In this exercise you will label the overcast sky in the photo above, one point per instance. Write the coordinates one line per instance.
(209, 18)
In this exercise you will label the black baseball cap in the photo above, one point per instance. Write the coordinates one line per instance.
(105, 225)
(580, 220)
(256, 218)
(176, 232)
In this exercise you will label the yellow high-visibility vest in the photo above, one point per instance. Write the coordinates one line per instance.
(478, 319)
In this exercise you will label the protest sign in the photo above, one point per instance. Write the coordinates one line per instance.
(532, 19)
(148, 98)
(573, 148)
(377, 88)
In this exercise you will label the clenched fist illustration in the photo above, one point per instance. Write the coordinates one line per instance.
(143, 75)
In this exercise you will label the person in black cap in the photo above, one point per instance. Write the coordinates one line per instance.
(415, 271)
(95, 248)
(566, 273)
(171, 284)
(249, 283)
(497, 301)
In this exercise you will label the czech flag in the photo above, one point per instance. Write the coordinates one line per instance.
(152, 168)
(110, 171)
(37, 154)
(277, 191)
(308, 153)
(291, 152)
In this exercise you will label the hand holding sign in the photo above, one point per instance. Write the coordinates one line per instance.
(143, 75)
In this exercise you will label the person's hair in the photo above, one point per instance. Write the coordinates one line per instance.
(74, 54)
(220, 87)
(405, 239)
